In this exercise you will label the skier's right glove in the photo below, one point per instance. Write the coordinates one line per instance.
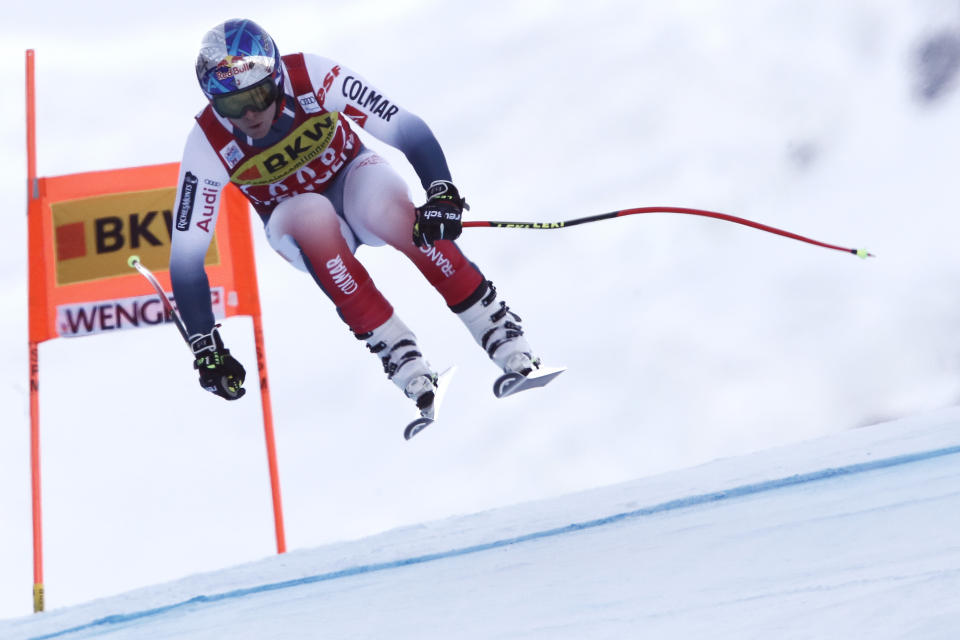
(220, 373)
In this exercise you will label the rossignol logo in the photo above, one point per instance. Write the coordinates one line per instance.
(341, 277)
(367, 98)
(85, 319)
(304, 143)
(188, 191)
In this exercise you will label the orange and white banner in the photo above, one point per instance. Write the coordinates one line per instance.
(84, 227)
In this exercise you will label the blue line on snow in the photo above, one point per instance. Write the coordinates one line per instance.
(679, 503)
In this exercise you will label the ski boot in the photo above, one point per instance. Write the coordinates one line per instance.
(396, 346)
(497, 329)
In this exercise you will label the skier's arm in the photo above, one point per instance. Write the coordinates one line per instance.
(343, 90)
(202, 178)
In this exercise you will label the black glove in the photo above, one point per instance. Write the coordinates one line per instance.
(220, 373)
(439, 218)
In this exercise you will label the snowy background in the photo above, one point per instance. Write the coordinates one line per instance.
(687, 339)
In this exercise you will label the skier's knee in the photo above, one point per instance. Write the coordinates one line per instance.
(303, 214)
(310, 221)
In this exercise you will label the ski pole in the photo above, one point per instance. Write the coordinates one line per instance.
(171, 311)
(862, 253)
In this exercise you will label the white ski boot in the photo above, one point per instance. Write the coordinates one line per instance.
(396, 346)
(497, 329)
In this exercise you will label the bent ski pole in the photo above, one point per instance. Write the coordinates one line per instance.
(171, 311)
(862, 253)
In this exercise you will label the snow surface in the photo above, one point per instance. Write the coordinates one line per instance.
(847, 536)
(688, 340)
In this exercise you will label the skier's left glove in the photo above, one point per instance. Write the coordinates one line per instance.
(220, 373)
(439, 218)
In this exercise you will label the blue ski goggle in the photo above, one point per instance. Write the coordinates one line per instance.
(257, 98)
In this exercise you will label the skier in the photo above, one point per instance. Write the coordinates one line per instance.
(280, 128)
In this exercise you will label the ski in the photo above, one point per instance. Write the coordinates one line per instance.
(430, 414)
(511, 383)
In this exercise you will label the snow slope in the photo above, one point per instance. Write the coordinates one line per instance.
(848, 536)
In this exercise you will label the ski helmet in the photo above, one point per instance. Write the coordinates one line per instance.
(239, 68)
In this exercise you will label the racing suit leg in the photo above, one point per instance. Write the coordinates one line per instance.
(378, 208)
(307, 232)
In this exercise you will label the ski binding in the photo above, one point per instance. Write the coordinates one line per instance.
(429, 415)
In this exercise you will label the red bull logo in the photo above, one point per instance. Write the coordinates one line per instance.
(232, 66)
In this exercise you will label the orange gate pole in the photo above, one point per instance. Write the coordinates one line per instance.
(268, 434)
(35, 275)
(38, 595)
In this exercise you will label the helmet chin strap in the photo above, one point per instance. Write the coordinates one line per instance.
(281, 101)
(281, 98)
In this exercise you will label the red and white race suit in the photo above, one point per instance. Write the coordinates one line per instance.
(319, 191)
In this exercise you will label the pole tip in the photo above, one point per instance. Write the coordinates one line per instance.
(38, 597)
(863, 253)
(132, 261)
